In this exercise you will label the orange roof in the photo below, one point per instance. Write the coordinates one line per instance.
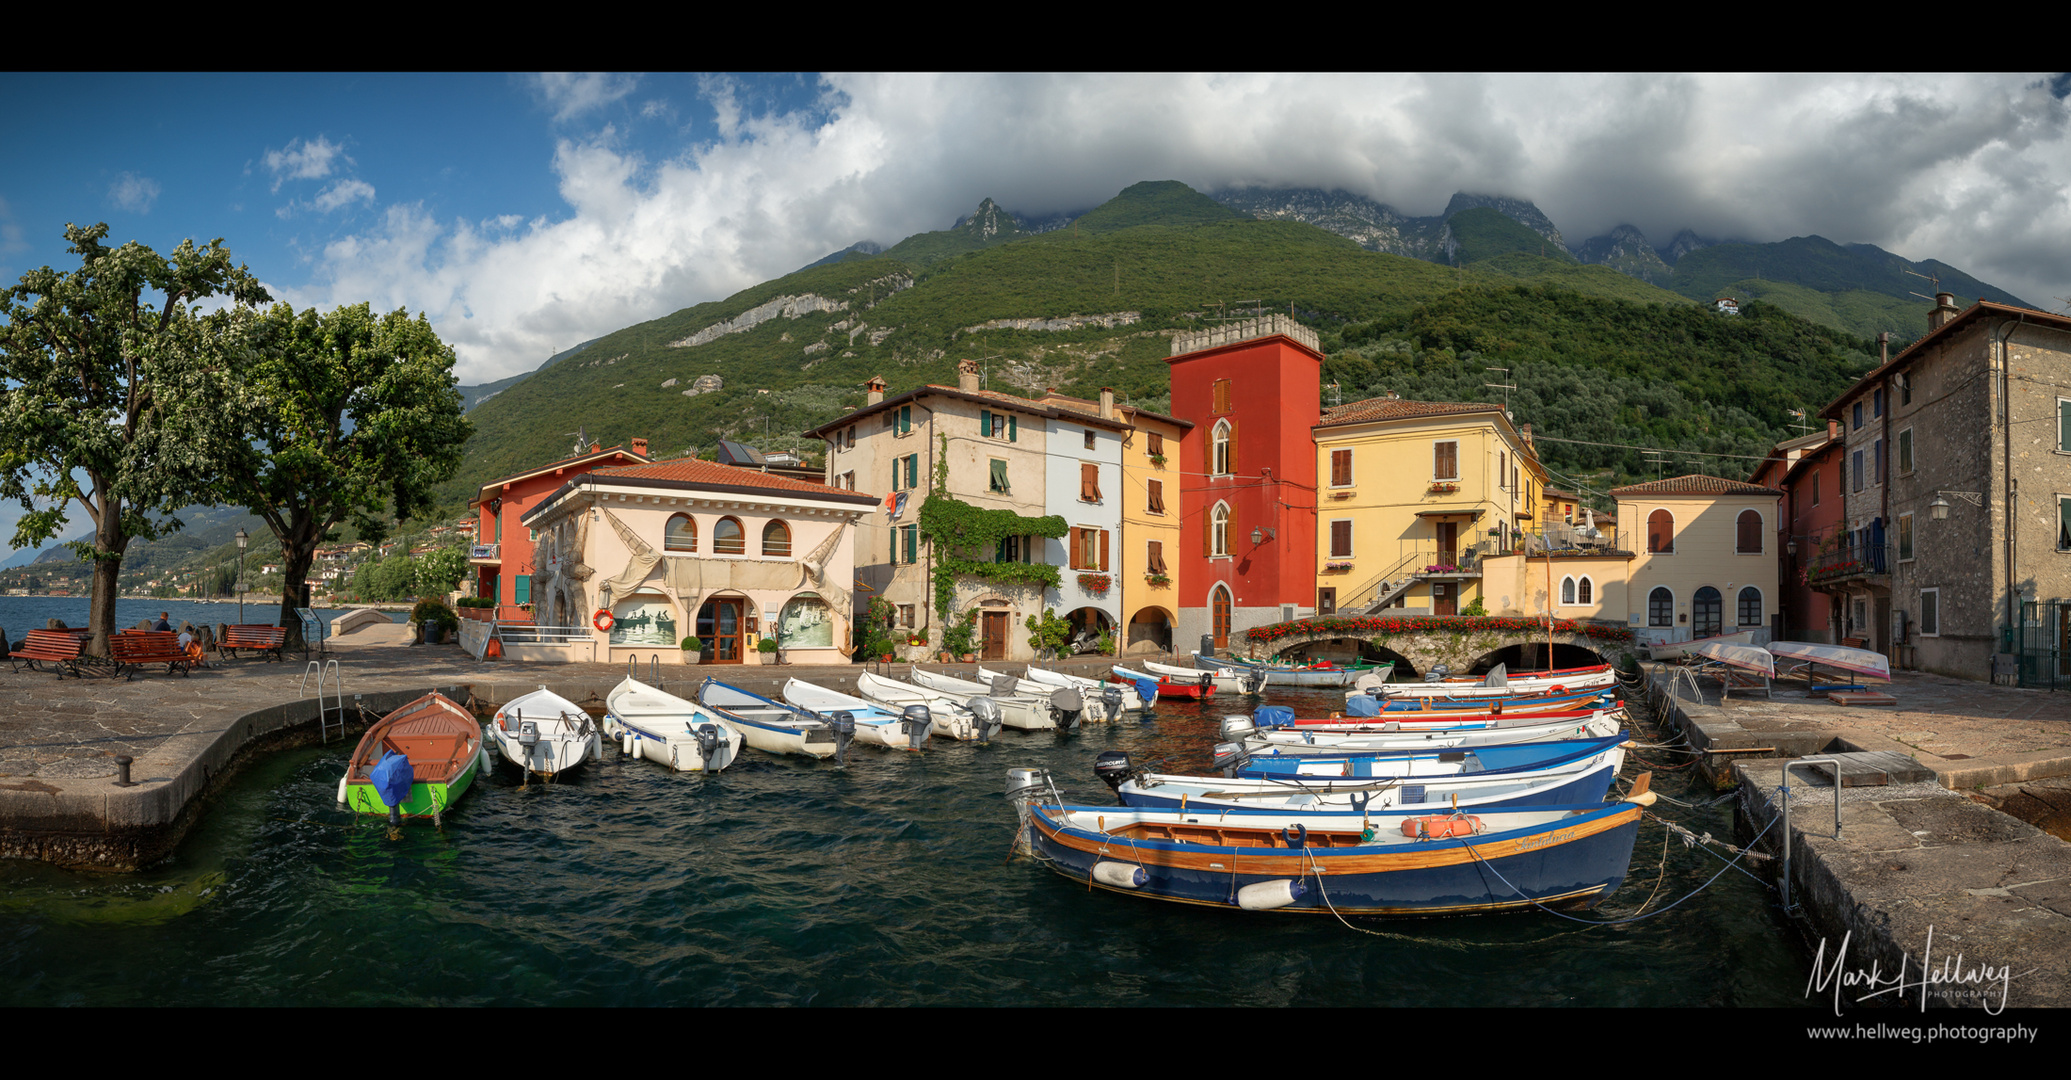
(1381, 408)
(1695, 484)
(697, 471)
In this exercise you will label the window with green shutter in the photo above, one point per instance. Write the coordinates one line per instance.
(912, 471)
(1013, 429)
(523, 585)
(985, 422)
(2064, 425)
(912, 544)
(999, 476)
(905, 419)
(2063, 523)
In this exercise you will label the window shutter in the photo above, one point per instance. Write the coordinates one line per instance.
(905, 419)
(1341, 539)
(1340, 467)
(1157, 496)
(895, 475)
(1157, 446)
(1878, 454)
(2064, 425)
(1013, 428)
(913, 470)
(1445, 461)
(1103, 551)
(1233, 448)
(1750, 539)
(912, 543)
(1089, 483)
(1157, 557)
(1208, 533)
(985, 422)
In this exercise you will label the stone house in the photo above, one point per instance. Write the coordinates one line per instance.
(1703, 559)
(1956, 542)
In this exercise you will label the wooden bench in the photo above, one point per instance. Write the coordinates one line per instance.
(259, 639)
(138, 648)
(57, 648)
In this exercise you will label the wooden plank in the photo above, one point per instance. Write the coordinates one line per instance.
(1874, 769)
(1861, 697)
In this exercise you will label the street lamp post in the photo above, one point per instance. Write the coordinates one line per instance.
(242, 540)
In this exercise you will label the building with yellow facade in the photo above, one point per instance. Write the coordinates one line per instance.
(1413, 496)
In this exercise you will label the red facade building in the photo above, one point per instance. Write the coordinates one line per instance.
(1248, 497)
(502, 552)
(1808, 470)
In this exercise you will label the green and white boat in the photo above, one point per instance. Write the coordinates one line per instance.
(432, 745)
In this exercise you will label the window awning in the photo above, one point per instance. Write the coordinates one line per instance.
(1471, 513)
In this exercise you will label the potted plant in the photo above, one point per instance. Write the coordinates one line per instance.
(434, 620)
(768, 648)
(1107, 643)
(1156, 580)
(1158, 460)
(693, 650)
(956, 640)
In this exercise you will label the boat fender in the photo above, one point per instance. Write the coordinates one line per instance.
(1267, 895)
(1113, 767)
(985, 718)
(625, 744)
(341, 791)
(1644, 798)
(1236, 727)
(1120, 875)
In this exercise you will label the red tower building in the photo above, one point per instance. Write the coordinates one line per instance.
(1248, 500)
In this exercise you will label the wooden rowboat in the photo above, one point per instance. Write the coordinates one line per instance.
(440, 748)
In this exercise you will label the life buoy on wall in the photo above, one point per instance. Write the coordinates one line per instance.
(602, 620)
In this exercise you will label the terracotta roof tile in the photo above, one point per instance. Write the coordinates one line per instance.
(1695, 484)
(696, 471)
(1359, 412)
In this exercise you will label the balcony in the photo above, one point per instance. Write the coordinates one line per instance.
(1848, 562)
(485, 553)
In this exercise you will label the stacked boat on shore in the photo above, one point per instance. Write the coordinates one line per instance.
(1400, 805)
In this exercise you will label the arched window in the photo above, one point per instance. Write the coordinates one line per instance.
(1219, 605)
(1707, 613)
(1567, 590)
(1219, 530)
(1661, 533)
(1219, 450)
(1750, 606)
(776, 539)
(1748, 535)
(728, 539)
(681, 534)
(1661, 608)
(1585, 592)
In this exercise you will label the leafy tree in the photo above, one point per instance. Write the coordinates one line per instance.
(347, 416)
(438, 571)
(107, 400)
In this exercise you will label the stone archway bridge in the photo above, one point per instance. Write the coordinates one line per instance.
(1459, 642)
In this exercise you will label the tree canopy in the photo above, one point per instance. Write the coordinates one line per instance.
(107, 401)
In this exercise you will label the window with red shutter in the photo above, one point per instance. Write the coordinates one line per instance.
(1445, 461)
(1661, 533)
(1750, 529)
(1089, 482)
(1157, 496)
(1340, 468)
(1156, 562)
(1340, 539)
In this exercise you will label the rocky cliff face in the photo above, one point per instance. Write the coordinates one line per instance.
(1626, 250)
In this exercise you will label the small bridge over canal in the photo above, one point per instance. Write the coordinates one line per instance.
(1464, 643)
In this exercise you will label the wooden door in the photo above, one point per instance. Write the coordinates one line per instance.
(1219, 601)
(1448, 543)
(1443, 601)
(1326, 601)
(719, 626)
(994, 626)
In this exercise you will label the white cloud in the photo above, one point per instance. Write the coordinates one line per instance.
(341, 193)
(1973, 170)
(572, 94)
(304, 160)
(133, 193)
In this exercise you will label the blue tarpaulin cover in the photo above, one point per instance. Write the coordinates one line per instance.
(1363, 705)
(1273, 716)
(392, 778)
(1147, 690)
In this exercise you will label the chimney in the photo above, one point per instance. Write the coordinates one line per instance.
(876, 390)
(967, 376)
(1107, 403)
(596, 448)
(1524, 431)
(1833, 430)
(1944, 310)
(640, 447)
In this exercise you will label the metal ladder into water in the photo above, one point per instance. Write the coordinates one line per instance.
(325, 718)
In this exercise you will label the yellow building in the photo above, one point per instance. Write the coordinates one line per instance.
(1705, 559)
(1412, 496)
(1149, 565)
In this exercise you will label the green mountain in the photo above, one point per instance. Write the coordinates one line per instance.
(1080, 308)
(1861, 288)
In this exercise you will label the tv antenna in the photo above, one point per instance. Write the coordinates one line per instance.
(1803, 425)
(582, 441)
(1337, 394)
(1223, 306)
(1932, 279)
(1503, 386)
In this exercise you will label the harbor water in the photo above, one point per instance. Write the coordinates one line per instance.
(787, 881)
(21, 614)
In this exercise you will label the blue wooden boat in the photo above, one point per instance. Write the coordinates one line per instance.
(1408, 763)
(1579, 780)
(1386, 863)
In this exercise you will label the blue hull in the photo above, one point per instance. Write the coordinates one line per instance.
(1590, 787)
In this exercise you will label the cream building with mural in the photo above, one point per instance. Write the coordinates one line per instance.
(1413, 497)
(648, 555)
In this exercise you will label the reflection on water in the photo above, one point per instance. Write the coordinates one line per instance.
(788, 881)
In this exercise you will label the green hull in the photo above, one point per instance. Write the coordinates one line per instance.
(426, 799)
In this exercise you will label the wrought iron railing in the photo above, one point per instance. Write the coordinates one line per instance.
(1848, 561)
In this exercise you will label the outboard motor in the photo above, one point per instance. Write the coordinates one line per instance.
(1230, 756)
(1236, 727)
(985, 718)
(1066, 706)
(1438, 673)
(917, 721)
(709, 741)
(1113, 767)
(1254, 681)
(1026, 787)
(528, 735)
(1111, 700)
(844, 725)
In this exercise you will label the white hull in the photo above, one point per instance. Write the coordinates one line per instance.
(768, 728)
(1226, 680)
(566, 735)
(1016, 711)
(1325, 793)
(874, 726)
(1285, 741)
(1089, 689)
(949, 714)
(1515, 687)
(664, 726)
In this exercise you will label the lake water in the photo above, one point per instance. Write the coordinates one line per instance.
(786, 881)
(21, 614)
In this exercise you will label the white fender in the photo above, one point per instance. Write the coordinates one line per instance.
(1119, 875)
(1267, 895)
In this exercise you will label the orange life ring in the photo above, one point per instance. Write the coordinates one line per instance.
(1560, 690)
(602, 620)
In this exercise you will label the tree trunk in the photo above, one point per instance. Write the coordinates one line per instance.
(298, 551)
(107, 574)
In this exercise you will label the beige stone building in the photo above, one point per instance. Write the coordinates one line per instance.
(1956, 542)
(1703, 558)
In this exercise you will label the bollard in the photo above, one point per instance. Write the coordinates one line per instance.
(122, 763)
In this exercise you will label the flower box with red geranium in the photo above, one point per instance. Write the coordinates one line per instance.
(1096, 583)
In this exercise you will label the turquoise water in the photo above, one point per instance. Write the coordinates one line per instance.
(784, 881)
(21, 614)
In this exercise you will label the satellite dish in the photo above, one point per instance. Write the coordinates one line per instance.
(1898, 379)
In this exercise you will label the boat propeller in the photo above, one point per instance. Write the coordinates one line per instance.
(844, 724)
(917, 721)
(1111, 700)
(1066, 706)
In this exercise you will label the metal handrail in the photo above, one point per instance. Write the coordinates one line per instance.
(1786, 796)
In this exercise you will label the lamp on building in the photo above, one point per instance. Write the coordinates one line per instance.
(1260, 536)
(1939, 508)
(1790, 547)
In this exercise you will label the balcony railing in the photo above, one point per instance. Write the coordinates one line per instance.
(1848, 561)
(485, 551)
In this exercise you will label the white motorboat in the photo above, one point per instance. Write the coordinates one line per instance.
(951, 715)
(1091, 691)
(1226, 680)
(545, 733)
(1025, 711)
(1398, 735)
(660, 726)
(874, 725)
(769, 726)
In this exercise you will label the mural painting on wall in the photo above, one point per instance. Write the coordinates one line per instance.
(645, 620)
(807, 623)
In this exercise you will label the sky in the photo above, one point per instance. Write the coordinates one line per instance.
(527, 213)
